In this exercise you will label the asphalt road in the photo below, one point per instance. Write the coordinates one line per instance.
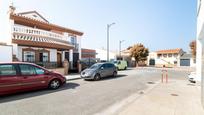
(79, 97)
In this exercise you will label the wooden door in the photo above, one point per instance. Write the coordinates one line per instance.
(59, 59)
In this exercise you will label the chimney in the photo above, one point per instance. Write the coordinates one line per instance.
(12, 9)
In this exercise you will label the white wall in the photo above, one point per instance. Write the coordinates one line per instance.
(71, 58)
(15, 49)
(19, 56)
(30, 15)
(53, 55)
(79, 42)
(169, 59)
(6, 53)
(200, 46)
(192, 64)
(200, 37)
(152, 55)
(102, 54)
(163, 60)
(5, 22)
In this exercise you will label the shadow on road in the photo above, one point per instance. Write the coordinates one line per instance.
(111, 77)
(126, 69)
(29, 94)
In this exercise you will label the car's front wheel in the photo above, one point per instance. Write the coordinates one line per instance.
(97, 77)
(54, 84)
(114, 74)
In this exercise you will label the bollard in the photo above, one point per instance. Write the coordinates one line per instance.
(166, 77)
(164, 74)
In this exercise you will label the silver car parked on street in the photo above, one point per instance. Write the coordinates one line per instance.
(99, 70)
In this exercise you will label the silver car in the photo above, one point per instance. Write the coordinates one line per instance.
(99, 70)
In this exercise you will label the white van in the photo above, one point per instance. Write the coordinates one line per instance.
(121, 64)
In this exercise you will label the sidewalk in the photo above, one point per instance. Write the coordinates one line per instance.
(188, 69)
(73, 76)
(175, 98)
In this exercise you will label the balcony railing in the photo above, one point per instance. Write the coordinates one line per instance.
(37, 32)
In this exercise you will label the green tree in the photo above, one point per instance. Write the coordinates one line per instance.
(193, 48)
(139, 53)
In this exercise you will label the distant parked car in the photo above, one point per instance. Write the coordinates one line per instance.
(99, 70)
(19, 76)
(121, 64)
(193, 78)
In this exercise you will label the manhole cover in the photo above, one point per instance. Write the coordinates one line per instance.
(174, 94)
(141, 92)
(150, 82)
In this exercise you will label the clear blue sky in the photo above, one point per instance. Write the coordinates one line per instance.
(158, 24)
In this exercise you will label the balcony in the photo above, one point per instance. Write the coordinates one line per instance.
(37, 32)
(39, 38)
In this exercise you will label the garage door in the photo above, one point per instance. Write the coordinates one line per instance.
(185, 62)
(151, 62)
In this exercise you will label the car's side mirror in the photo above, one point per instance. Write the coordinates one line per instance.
(102, 68)
(47, 72)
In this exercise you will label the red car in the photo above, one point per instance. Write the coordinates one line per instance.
(19, 76)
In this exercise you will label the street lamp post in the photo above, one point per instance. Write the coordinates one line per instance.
(121, 41)
(108, 28)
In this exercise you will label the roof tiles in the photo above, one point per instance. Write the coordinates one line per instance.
(169, 51)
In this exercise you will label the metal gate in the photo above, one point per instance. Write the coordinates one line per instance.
(67, 55)
(185, 62)
(152, 62)
(75, 60)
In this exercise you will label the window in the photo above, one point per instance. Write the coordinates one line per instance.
(169, 55)
(29, 56)
(73, 40)
(6, 70)
(110, 65)
(165, 55)
(159, 55)
(45, 57)
(27, 69)
(104, 66)
(175, 55)
(34, 16)
(39, 71)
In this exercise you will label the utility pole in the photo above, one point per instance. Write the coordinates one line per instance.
(121, 41)
(108, 28)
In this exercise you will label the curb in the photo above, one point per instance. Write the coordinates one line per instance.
(73, 79)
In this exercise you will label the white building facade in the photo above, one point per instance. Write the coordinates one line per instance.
(102, 55)
(167, 58)
(200, 46)
(36, 40)
(7, 51)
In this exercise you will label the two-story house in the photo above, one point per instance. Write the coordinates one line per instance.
(36, 40)
(167, 58)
